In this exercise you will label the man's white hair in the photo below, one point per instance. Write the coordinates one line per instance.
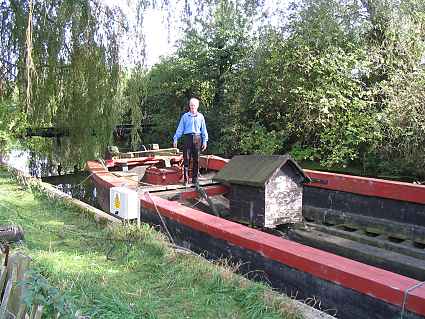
(195, 101)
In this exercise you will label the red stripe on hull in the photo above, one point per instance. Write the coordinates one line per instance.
(372, 281)
(369, 186)
(339, 182)
(210, 190)
(212, 162)
(368, 280)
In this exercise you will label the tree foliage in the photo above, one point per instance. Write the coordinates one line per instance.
(328, 83)
(339, 81)
(62, 57)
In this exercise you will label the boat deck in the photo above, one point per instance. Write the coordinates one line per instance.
(376, 222)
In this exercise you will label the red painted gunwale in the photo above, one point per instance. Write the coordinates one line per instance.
(369, 186)
(347, 183)
(212, 190)
(372, 281)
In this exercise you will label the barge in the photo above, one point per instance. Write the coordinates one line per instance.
(358, 249)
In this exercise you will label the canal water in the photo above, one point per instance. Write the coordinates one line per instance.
(78, 184)
(74, 183)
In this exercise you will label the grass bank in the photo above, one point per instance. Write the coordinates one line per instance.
(127, 272)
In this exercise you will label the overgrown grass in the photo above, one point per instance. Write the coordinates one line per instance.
(128, 272)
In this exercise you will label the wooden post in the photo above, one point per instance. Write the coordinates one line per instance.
(6, 297)
(21, 263)
(21, 312)
(3, 277)
(38, 312)
(12, 302)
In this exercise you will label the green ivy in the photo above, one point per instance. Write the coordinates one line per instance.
(38, 291)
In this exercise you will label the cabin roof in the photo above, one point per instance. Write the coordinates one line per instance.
(254, 170)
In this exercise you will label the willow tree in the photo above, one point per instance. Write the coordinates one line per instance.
(61, 58)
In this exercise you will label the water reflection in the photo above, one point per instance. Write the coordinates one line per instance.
(32, 163)
(18, 159)
(77, 185)
(74, 183)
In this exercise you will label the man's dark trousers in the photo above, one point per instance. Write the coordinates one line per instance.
(191, 150)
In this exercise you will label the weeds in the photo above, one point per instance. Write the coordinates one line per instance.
(39, 291)
(126, 271)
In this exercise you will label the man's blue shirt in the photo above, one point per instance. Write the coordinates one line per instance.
(192, 123)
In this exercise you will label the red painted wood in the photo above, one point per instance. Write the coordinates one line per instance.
(340, 182)
(369, 280)
(103, 178)
(210, 190)
(365, 279)
(348, 183)
(162, 176)
(212, 162)
(369, 186)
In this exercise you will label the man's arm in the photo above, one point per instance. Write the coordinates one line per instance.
(179, 131)
(204, 134)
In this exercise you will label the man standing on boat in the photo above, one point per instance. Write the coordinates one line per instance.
(195, 137)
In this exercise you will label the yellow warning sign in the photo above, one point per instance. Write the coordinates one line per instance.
(117, 203)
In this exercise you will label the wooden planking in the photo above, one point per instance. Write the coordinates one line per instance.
(212, 162)
(158, 188)
(20, 262)
(12, 302)
(8, 297)
(39, 312)
(3, 276)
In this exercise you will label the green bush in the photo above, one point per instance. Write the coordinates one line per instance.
(259, 140)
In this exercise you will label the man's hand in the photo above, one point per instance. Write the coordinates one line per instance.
(204, 147)
(175, 144)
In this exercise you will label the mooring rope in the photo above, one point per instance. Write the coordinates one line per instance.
(160, 216)
(406, 293)
(73, 186)
(197, 202)
(106, 238)
(174, 245)
(80, 183)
